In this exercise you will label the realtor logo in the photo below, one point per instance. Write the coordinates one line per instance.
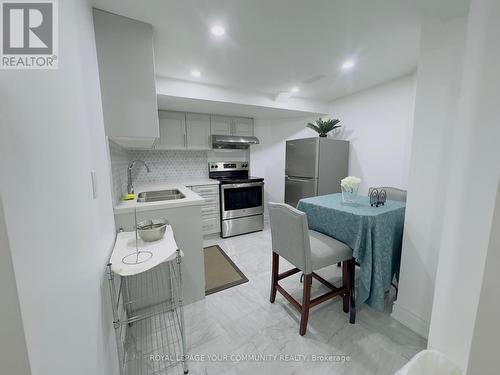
(29, 34)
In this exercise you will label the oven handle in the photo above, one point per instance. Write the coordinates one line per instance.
(236, 186)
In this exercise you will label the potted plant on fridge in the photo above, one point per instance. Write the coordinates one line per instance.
(322, 127)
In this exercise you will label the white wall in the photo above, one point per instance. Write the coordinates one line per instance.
(267, 159)
(377, 122)
(483, 358)
(51, 137)
(438, 88)
(13, 351)
(472, 188)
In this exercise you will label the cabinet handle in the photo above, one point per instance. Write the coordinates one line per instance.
(185, 140)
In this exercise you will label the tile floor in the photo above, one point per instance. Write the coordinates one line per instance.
(241, 321)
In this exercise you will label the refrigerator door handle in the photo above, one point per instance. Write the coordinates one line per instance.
(299, 179)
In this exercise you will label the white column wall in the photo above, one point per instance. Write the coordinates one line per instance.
(437, 93)
(483, 357)
(471, 191)
(51, 138)
(13, 351)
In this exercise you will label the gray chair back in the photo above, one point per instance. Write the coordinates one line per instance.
(393, 194)
(290, 235)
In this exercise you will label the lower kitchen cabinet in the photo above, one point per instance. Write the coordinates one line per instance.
(210, 225)
(210, 211)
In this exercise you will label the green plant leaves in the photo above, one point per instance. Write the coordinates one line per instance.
(324, 126)
(313, 127)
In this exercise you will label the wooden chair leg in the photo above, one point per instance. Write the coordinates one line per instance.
(345, 283)
(274, 276)
(306, 301)
(352, 292)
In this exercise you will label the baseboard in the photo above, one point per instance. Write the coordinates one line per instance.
(413, 322)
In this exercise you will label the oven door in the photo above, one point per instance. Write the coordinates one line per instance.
(240, 200)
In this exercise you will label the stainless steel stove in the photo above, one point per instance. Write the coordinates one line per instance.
(241, 198)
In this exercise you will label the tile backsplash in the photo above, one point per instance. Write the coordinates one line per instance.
(164, 165)
(120, 159)
(169, 164)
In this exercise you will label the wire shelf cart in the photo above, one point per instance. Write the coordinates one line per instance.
(148, 316)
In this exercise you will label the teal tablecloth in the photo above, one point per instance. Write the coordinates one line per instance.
(373, 233)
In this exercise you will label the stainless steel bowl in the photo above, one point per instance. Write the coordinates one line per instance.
(152, 230)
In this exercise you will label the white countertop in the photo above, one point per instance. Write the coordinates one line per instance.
(195, 181)
(191, 198)
(162, 250)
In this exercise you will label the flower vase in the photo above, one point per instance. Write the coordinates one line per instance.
(349, 195)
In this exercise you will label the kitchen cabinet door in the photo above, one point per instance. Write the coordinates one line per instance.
(198, 131)
(129, 101)
(242, 126)
(221, 125)
(172, 131)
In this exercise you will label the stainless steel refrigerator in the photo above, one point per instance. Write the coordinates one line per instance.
(314, 166)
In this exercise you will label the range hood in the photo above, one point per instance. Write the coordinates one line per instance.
(233, 142)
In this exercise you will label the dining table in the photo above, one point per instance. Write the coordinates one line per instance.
(373, 233)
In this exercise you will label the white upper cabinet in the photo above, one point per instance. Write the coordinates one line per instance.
(183, 131)
(225, 125)
(198, 131)
(127, 77)
(192, 131)
(172, 131)
(242, 126)
(222, 125)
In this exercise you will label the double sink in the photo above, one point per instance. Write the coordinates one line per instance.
(159, 195)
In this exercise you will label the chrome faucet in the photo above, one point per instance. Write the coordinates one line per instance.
(130, 186)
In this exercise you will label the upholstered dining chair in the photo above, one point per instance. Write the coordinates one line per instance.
(308, 251)
(393, 194)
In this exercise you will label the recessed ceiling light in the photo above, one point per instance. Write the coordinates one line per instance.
(295, 89)
(348, 64)
(195, 73)
(218, 30)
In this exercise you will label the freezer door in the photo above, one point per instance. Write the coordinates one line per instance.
(302, 157)
(297, 188)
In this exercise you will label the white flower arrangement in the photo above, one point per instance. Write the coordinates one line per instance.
(350, 184)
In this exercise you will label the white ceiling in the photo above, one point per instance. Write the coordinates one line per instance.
(272, 45)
